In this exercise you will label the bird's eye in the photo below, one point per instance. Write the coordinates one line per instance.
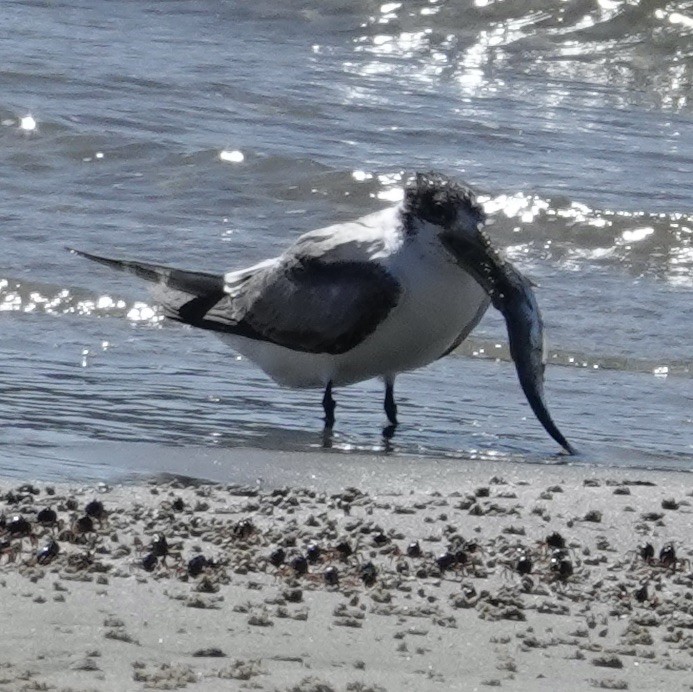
(438, 212)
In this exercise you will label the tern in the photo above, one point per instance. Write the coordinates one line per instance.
(388, 293)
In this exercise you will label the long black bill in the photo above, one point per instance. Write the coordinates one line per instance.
(511, 293)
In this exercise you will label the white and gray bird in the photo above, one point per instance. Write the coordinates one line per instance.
(385, 294)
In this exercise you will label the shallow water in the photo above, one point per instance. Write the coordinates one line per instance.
(209, 134)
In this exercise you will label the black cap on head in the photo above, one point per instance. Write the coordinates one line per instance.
(438, 199)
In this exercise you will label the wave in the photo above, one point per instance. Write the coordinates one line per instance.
(643, 45)
(575, 236)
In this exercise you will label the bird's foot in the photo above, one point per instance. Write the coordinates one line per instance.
(390, 408)
(389, 431)
(327, 437)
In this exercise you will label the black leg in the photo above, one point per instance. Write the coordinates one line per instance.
(390, 410)
(329, 405)
(327, 435)
(390, 405)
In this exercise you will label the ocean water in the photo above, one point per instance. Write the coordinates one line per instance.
(210, 134)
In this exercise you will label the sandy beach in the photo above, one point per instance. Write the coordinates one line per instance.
(525, 577)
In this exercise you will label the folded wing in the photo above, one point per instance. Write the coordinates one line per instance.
(309, 305)
(301, 303)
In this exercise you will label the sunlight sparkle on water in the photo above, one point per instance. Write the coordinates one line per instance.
(27, 123)
(141, 312)
(11, 301)
(360, 176)
(675, 18)
(234, 156)
(394, 194)
(517, 205)
(637, 234)
(104, 302)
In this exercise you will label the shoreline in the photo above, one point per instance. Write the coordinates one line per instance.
(431, 597)
(136, 462)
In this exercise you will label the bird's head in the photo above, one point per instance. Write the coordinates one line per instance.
(443, 209)
(447, 213)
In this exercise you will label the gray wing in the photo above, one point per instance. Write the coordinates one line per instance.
(297, 301)
(307, 304)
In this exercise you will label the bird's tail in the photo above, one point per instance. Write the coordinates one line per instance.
(185, 295)
(194, 283)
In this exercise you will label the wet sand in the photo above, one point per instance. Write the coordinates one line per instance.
(455, 581)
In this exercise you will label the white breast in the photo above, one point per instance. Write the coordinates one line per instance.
(439, 301)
